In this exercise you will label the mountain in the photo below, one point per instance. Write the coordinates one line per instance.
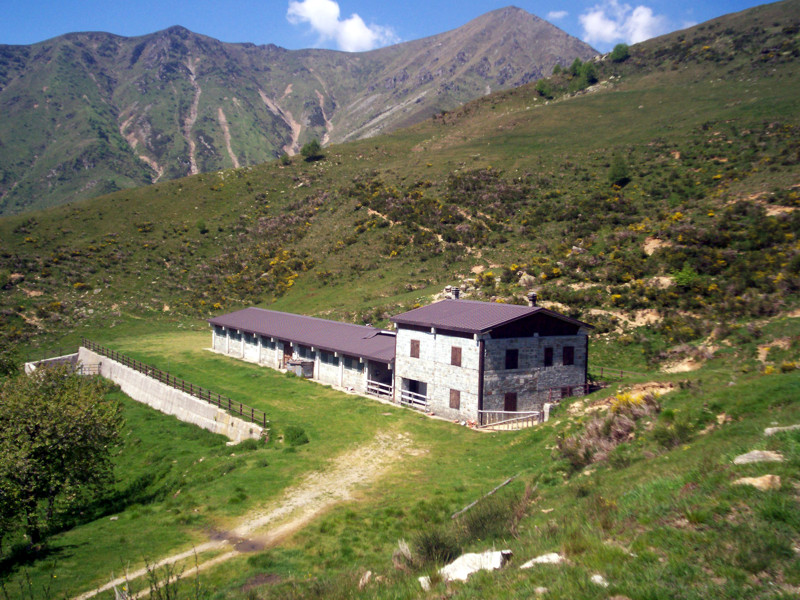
(90, 113)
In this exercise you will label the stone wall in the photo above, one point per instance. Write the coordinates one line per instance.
(531, 380)
(171, 401)
(435, 369)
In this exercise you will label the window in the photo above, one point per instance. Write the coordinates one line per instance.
(512, 358)
(569, 355)
(455, 399)
(305, 352)
(414, 348)
(510, 402)
(329, 358)
(455, 356)
(352, 363)
(548, 357)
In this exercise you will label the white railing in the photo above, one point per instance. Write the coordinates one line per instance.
(413, 399)
(381, 390)
(506, 419)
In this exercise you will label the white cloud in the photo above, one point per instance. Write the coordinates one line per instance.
(555, 15)
(614, 22)
(350, 35)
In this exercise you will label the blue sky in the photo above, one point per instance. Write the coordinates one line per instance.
(350, 25)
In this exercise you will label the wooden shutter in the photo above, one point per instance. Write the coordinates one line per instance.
(455, 399)
(455, 356)
(414, 348)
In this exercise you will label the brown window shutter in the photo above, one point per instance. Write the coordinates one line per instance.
(455, 356)
(455, 399)
(414, 348)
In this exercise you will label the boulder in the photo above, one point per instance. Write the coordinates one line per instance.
(763, 483)
(554, 558)
(467, 564)
(773, 430)
(757, 456)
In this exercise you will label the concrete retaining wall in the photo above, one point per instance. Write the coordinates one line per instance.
(67, 359)
(171, 401)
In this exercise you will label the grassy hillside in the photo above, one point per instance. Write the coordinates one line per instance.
(658, 517)
(659, 204)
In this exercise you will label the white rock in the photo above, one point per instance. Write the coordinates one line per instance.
(365, 578)
(554, 558)
(540, 590)
(467, 564)
(757, 456)
(763, 483)
(599, 580)
(773, 430)
(425, 583)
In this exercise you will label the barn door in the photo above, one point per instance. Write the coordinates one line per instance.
(287, 353)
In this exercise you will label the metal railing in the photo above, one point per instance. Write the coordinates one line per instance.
(225, 403)
(381, 390)
(555, 394)
(413, 399)
(505, 419)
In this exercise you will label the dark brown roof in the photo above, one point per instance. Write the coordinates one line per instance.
(333, 336)
(471, 316)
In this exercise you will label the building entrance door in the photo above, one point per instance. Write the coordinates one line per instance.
(510, 402)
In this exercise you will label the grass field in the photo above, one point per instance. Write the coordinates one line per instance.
(655, 519)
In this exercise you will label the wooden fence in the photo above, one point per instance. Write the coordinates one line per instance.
(247, 412)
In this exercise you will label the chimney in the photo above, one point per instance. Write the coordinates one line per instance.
(456, 292)
(532, 299)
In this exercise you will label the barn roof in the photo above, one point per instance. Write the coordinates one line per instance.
(472, 316)
(332, 336)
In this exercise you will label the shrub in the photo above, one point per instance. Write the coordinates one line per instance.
(620, 53)
(436, 545)
(295, 436)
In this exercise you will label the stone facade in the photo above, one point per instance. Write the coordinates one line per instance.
(434, 368)
(532, 381)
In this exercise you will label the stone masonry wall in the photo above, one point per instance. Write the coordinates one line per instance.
(531, 379)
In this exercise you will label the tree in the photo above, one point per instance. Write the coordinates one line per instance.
(575, 67)
(544, 89)
(620, 53)
(588, 73)
(312, 151)
(57, 433)
(618, 171)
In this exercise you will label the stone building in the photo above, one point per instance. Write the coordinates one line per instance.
(463, 359)
(459, 359)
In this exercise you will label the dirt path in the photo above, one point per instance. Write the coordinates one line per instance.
(189, 122)
(317, 493)
(226, 132)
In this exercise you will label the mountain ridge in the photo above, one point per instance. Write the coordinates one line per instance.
(93, 112)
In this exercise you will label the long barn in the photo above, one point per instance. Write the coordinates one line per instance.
(459, 359)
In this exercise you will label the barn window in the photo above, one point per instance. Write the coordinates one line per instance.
(455, 356)
(512, 358)
(569, 355)
(455, 399)
(414, 348)
(548, 357)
